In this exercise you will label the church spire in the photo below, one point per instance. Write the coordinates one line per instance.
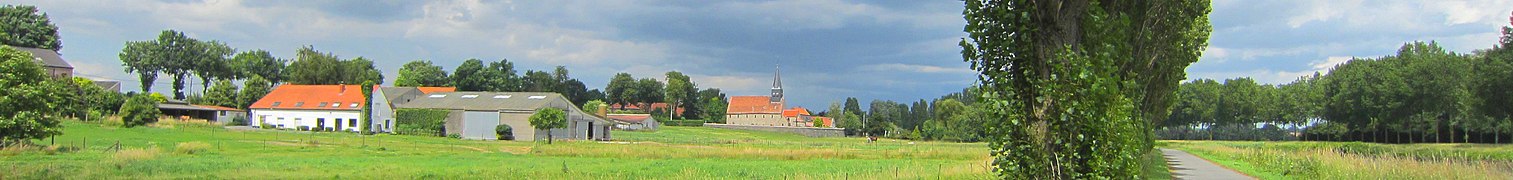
(777, 86)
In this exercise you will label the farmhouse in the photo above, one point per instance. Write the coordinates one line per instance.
(474, 115)
(51, 61)
(310, 107)
(385, 98)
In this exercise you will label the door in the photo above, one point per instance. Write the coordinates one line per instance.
(338, 124)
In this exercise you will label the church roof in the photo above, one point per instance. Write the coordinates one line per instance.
(753, 105)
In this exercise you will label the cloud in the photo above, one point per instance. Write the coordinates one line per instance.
(914, 68)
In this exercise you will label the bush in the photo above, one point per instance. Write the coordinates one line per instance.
(191, 147)
(504, 132)
(139, 110)
(427, 122)
(239, 121)
(687, 122)
(303, 128)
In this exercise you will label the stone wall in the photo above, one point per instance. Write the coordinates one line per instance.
(806, 131)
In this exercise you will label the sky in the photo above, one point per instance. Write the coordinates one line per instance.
(827, 50)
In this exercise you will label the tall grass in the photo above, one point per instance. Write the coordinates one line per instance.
(1314, 160)
(191, 147)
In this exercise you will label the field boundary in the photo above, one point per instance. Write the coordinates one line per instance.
(806, 131)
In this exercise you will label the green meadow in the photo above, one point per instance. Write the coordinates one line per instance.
(202, 151)
(1355, 160)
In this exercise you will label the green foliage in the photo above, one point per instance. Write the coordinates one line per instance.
(504, 132)
(620, 89)
(139, 110)
(470, 76)
(223, 94)
(314, 67)
(25, 26)
(684, 122)
(365, 123)
(593, 107)
(420, 73)
(30, 103)
(178, 56)
(253, 89)
(547, 119)
(1074, 85)
(93, 98)
(259, 64)
(425, 122)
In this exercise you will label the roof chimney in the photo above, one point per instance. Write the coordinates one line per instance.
(343, 88)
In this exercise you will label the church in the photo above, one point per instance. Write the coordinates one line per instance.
(768, 110)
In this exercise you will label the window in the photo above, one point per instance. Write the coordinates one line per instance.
(298, 104)
(223, 113)
(501, 96)
(275, 104)
(352, 123)
(536, 97)
(354, 104)
(470, 96)
(437, 96)
(322, 104)
(336, 104)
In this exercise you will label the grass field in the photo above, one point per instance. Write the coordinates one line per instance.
(187, 150)
(1352, 160)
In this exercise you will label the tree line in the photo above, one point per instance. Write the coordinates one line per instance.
(1423, 93)
(952, 117)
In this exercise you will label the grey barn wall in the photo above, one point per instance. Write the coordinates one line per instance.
(806, 131)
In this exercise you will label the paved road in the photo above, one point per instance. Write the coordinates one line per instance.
(1187, 166)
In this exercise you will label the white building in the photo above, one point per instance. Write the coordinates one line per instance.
(310, 107)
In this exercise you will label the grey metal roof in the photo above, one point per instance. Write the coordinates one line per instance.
(177, 104)
(48, 57)
(395, 93)
(494, 101)
(114, 86)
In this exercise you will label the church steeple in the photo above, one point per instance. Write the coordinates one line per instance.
(777, 86)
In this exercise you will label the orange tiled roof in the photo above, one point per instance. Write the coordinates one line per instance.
(795, 112)
(753, 105)
(291, 96)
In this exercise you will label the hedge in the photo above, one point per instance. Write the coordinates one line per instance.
(426, 122)
(687, 122)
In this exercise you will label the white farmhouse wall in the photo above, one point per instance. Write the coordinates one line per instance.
(291, 119)
(383, 115)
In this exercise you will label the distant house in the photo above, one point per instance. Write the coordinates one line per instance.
(385, 98)
(634, 107)
(634, 122)
(51, 61)
(768, 110)
(474, 115)
(312, 107)
(184, 110)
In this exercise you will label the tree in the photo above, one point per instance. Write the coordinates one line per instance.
(25, 26)
(358, 70)
(593, 107)
(714, 110)
(138, 57)
(223, 94)
(258, 63)
(469, 76)
(139, 110)
(252, 90)
(575, 91)
(678, 89)
(1495, 84)
(620, 89)
(539, 81)
(548, 119)
(648, 91)
(30, 101)
(1076, 82)
(420, 73)
(94, 98)
(502, 77)
(210, 62)
(853, 106)
(367, 110)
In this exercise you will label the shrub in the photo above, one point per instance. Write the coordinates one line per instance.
(139, 110)
(427, 122)
(504, 132)
(454, 136)
(238, 121)
(303, 128)
(191, 147)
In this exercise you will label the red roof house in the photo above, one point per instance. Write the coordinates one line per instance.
(312, 97)
(753, 105)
